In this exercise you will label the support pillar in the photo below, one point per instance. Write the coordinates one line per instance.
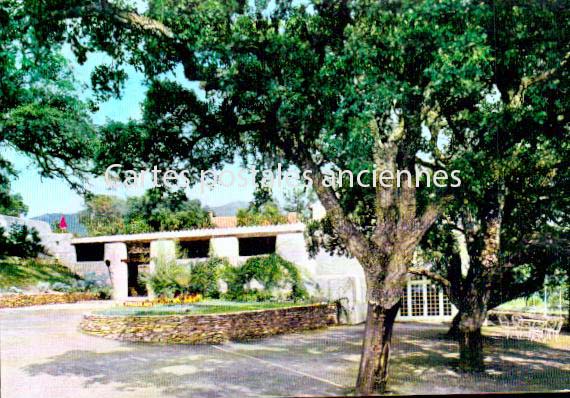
(116, 258)
(226, 247)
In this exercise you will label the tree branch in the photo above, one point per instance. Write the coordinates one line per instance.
(356, 242)
(125, 18)
(433, 276)
(526, 82)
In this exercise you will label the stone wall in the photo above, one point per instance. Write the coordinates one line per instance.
(210, 329)
(56, 244)
(25, 300)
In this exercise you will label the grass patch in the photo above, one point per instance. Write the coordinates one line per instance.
(535, 305)
(201, 308)
(26, 273)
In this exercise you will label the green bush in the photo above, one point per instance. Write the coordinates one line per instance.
(171, 279)
(91, 283)
(204, 277)
(272, 271)
(21, 241)
(168, 279)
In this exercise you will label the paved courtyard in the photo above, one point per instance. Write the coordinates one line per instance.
(43, 354)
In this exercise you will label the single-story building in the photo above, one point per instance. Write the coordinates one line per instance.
(121, 258)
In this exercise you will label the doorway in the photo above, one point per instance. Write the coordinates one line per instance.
(138, 254)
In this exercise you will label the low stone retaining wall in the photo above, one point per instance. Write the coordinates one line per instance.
(25, 300)
(210, 329)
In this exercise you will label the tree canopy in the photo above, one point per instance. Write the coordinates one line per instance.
(156, 210)
(404, 86)
(40, 113)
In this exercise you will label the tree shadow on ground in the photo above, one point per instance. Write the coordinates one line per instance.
(185, 371)
(323, 362)
(424, 361)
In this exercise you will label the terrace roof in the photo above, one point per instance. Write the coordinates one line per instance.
(197, 234)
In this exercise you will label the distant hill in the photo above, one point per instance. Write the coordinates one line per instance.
(72, 220)
(74, 226)
(229, 209)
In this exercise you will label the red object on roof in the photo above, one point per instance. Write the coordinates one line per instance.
(62, 223)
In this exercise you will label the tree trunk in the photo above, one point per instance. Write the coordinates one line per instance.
(471, 358)
(373, 372)
(453, 332)
(471, 351)
(568, 292)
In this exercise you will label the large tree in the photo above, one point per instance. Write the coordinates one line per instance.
(41, 116)
(347, 85)
(508, 225)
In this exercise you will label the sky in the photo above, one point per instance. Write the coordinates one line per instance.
(43, 195)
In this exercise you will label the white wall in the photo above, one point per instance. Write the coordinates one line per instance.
(56, 244)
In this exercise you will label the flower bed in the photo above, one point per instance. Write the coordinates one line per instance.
(25, 300)
(210, 328)
(182, 299)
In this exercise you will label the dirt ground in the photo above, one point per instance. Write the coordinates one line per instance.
(43, 354)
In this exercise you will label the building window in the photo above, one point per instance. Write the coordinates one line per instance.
(90, 252)
(446, 306)
(432, 300)
(194, 248)
(417, 294)
(404, 306)
(257, 246)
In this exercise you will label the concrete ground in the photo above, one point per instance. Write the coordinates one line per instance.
(43, 354)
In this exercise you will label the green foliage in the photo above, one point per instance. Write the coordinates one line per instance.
(201, 307)
(10, 204)
(90, 282)
(137, 225)
(266, 214)
(167, 211)
(205, 276)
(103, 215)
(171, 279)
(273, 272)
(299, 200)
(40, 113)
(154, 211)
(26, 273)
(534, 301)
(20, 241)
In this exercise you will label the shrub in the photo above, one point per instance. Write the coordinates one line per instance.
(92, 283)
(272, 271)
(171, 279)
(168, 279)
(205, 275)
(61, 287)
(43, 287)
(20, 241)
